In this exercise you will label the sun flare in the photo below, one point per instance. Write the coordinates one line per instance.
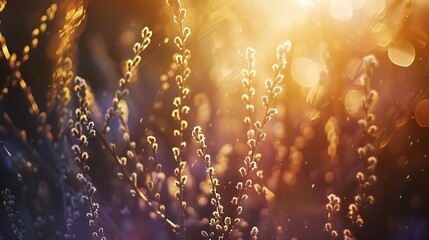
(215, 119)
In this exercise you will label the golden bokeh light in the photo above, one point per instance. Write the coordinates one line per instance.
(341, 10)
(238, 114)
(202, 104)
(305, 71)
(384, 37)
(289, 178)
(353, 103)
(329, 177)
(357, 4)
(307, 3)
(401, 53)
(375, 8)
(353, 67)
(421, 113)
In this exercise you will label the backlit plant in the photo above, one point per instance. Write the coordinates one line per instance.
(94, 146)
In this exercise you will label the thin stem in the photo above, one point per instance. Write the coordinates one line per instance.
(181, 109)
(255, 133)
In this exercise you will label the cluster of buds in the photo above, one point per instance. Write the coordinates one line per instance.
(14, 217)
(333, 207)
(82, 130)
(131, 65)
(367, 177)
(255, 132)
(181, 58)
(93, 214)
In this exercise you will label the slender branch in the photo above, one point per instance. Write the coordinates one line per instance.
(181, 109)
(255, 133)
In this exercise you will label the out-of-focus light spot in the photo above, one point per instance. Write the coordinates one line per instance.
(163, 77)
(308, 132)
(124, 109)
(202, 200)
(126, 38)
(378, 27)
(313, 114)
(341, 10)
(329, 177)
(295, 167)
(289, 178)
(384, 38)
(315, 94)
(357, 4)
(269, 195)
(353, 103)
(2, 5)
(375, 7)
(202, 103)
(307, 3)
(305, 71)
(300, 142)
(352, 68)
(278, 130)
(315, 99)
(401, 53)
(421, 113)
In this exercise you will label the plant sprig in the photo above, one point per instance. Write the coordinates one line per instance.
(181, 109)
(115, 111)
(255, 132)
(366, 178)
(84, 129)
(218, 218)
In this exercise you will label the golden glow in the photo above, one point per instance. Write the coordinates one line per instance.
(289, 178)
(329, 177)
(322, 88)
(402, 53)
(5, 50)
(74, 17)
(357, 4)
(353, 67)
(341, 10)
(353, 103)
(2, 4)
(375, 7)
(421, 113)
(384, 37)
(202, 104)
(124, 109)
(305, 71)
(307, 3)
